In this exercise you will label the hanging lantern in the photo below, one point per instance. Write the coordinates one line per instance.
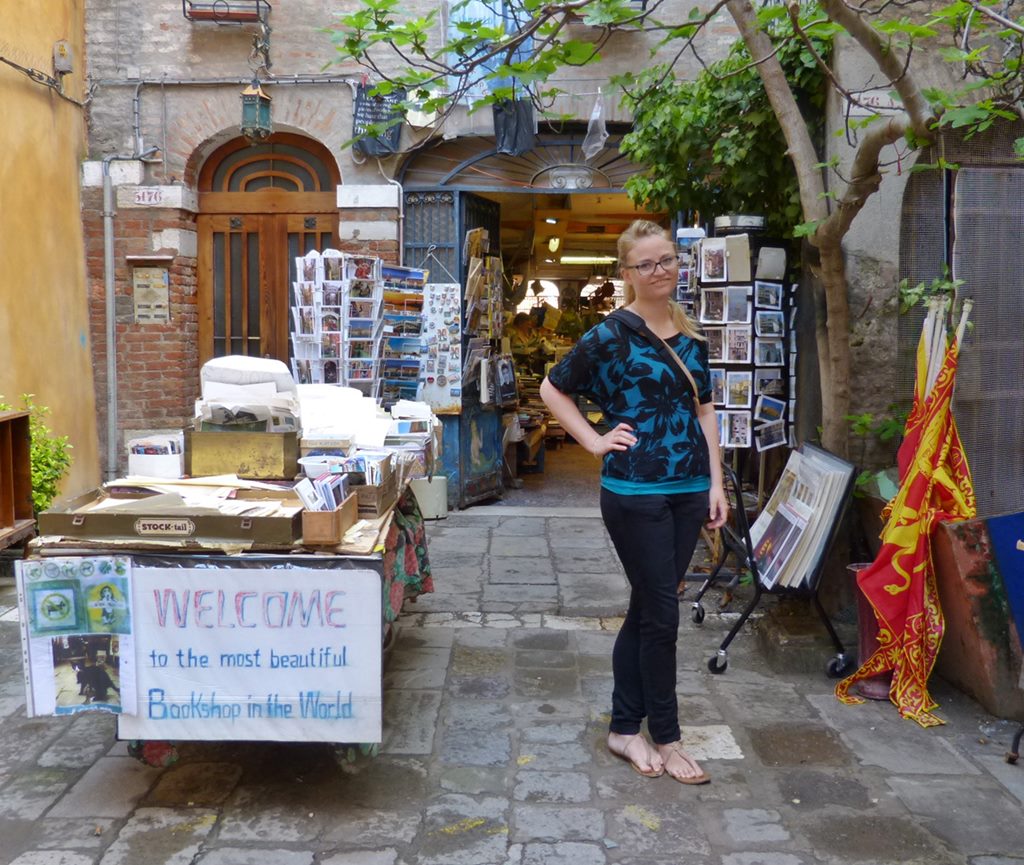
(256, 124)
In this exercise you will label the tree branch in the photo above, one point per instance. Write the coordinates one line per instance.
(914, 103)
(794, 128)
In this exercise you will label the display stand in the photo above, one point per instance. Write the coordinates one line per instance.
(737, 541)
(16, 518)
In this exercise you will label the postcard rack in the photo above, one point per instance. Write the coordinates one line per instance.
(737, 541)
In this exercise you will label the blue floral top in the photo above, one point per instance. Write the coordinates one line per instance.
(625, 375)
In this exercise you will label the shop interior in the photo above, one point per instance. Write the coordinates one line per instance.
(560, 261)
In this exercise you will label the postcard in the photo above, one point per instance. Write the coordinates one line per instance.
(737, 344)
(716, 343)
(737, 433)
(768, 352)
(737, 389)
(768, 322)
(771, 263)
(712, 307)
(768, 295)
(769, 381)
(712, 259)
(737, 304)
(769, 409)
(770, 435)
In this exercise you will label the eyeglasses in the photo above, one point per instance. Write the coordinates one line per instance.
(646, 268)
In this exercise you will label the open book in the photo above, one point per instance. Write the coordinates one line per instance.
(791, 534)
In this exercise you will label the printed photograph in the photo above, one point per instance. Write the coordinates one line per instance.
(718, 386)
(332, 267)
(737, 344)
(712, 307)
(712, 259)
(768, 323)
(737, 394)
(768, 381)
(770, 435)
(738, 432)
(737, 305)
(85, 671)
(768, 352)
(768, 295)
(769, 409)
(716, 343)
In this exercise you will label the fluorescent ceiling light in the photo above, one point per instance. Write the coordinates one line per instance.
(550, 220)
(588, 259)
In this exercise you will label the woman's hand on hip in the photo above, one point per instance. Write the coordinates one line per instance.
(718, 507)
(618, 439)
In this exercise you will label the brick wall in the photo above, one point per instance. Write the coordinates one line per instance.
(157, 363)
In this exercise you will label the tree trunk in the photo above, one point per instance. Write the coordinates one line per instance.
(834, 363)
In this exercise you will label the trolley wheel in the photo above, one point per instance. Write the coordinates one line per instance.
(698, 613)
(838, 667)
(717, 663)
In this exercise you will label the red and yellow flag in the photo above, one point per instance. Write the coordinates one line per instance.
(935, 485)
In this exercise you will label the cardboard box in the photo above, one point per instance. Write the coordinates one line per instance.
(144, 522)
(156, 465)
(259, 455)
(375, 499)
(327, 528)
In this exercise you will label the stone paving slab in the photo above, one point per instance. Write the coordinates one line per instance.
(495, 714)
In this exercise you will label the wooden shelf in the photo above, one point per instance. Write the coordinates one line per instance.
(17, 519)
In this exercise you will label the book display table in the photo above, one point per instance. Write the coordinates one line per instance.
(183, 644)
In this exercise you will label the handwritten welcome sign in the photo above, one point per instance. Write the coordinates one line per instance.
(257, 654)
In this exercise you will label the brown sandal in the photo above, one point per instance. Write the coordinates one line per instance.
(692, 780)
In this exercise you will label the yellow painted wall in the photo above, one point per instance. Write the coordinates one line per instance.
(44, 325)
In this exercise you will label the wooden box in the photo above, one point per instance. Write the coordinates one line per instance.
(131, 516)
(327, 528)
(375, 499)
(258, 455)
(17, 520)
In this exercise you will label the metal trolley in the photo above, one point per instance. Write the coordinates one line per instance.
(736, 541)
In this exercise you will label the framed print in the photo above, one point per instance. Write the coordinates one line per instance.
(768, 322)
(768, 381)
(768, 352)
(712, 259)
(737, 304)
(737, 389)
(768, 295)
(769, 409)
(737, 344)
(716, 343)
(770, 435)
(712, 306)
(723, 424)
(737, 431)
(718, 386)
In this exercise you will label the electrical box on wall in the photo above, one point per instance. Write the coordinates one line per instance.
(63, 62)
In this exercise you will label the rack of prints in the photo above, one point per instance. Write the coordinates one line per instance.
(401, 359)
(336, 322)
(441, 348)
(748, 322)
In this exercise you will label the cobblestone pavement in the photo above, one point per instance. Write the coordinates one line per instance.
(496, 695)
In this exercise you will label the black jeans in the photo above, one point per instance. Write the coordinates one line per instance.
(655, 536)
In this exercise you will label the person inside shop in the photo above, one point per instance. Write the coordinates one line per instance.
(661, 480)
(522, 338)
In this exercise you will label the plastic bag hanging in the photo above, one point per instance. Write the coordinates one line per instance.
(597, 131)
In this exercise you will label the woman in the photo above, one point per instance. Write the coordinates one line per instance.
(661, 479)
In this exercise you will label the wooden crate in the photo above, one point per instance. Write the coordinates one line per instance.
(17, 520)
(327, 528)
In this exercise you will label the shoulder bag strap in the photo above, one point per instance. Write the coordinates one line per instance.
(635, 323)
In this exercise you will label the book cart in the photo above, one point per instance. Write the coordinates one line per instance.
(784, 539)
(249, 636)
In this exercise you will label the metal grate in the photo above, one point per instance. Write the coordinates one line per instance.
(987, 219)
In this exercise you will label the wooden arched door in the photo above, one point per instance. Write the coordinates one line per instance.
(259, 207)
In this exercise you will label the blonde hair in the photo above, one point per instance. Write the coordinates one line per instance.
(638, 230)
